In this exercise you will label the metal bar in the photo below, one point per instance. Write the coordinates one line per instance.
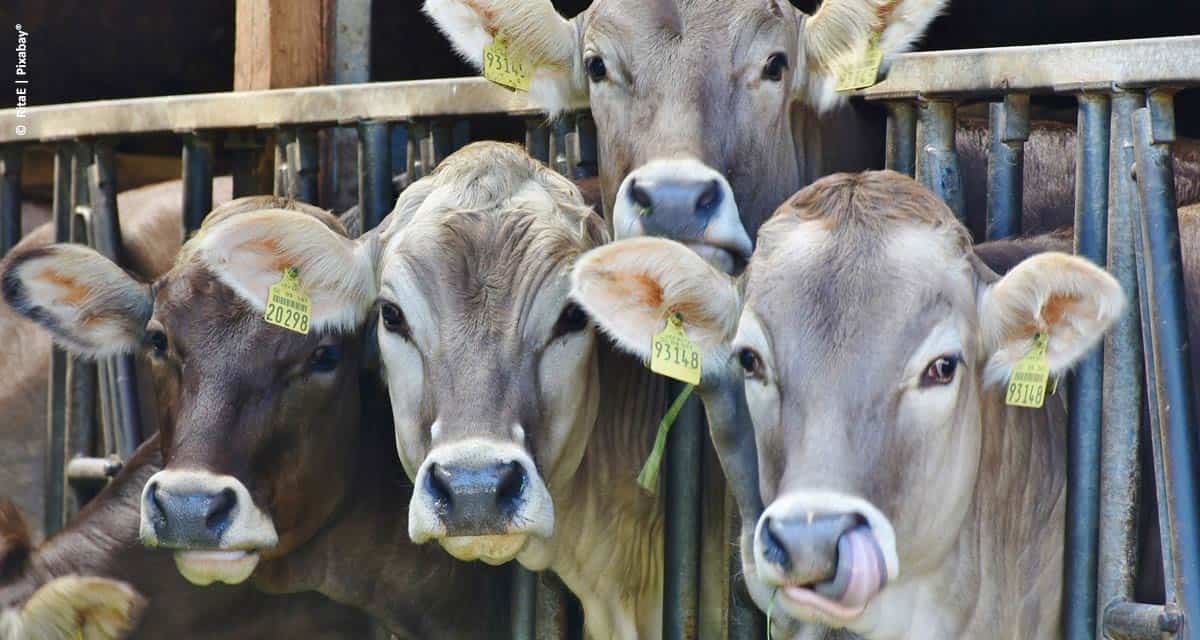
(197, 181)
(1154, 131)
(1132, 621)
(682, 500)
(441, 140)
(10, 197)
(56, 419)
(1084, 394)
(246, 149)
(900, 151)
(80, 418)
(537, 139)
(95, 470)
(122, 369)
(1009, 126)
(524, 599)
(375, 194)
(416, 168)
(560, 131)
(589, 159)
(552, 608)
(937, 166)
(302, 155)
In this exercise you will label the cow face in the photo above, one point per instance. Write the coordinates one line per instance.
(248, 410)
(693, 101)
(490, 368)
(874, 347)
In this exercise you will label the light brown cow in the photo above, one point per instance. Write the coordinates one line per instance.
(904, 497)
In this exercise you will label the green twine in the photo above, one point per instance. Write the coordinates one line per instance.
(770, 608)
(648, 478)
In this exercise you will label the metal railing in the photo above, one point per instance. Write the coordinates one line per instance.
(1124, 218)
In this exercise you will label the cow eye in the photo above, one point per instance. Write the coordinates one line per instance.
(393, 320)
(940, 371)
(572, 319)
(157, 341)
(325, 358)
(777, 63)
(596, 70)
(751, 362)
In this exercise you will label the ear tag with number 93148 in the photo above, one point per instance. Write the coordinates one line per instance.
(673, 355)
(287, 304)
(503, 69)
(1027, 385)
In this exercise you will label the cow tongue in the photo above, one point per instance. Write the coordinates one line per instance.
(861, 571)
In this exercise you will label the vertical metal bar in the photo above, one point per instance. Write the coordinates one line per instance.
(246, 149)
(302, 155)
(197, 180)
(282, 184)
(1086, 389)
(938, 169)
(552, 608)
(441, 136)
(1154, 131)
(80, 416)
(681, 497)
(10, 197)
(560, 132)
(416, 167)
(374, 172)
(900, 149)
(585, 130)
(127, 427)
(524, 598)
(56, 419)
(1009, 126)
(537, 139)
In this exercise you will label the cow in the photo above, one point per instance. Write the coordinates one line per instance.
(151, 231)
(710, 113)
(266, 466)
(903, 496)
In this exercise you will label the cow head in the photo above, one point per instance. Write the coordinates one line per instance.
(490, 368)
(693, 101)
(248, 410)
(874, 345)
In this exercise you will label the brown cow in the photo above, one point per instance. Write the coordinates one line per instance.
(904, 497)
(268, 467)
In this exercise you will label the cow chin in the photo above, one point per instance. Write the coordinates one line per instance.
(203, 568)
(494, 550)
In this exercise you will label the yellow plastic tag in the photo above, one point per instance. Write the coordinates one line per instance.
(1027, 385)
(502, 69)
(673, 355)
(287, 304)
(861, 73)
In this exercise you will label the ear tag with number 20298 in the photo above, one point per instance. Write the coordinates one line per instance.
(673, 355)
(503, 69)
(1027, 385)
(287, 304)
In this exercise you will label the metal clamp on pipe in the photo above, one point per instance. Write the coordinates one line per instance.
(82, 471)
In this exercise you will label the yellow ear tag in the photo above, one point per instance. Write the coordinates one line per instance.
(673, 355)
(287, 304)
(503, 69)
(861, 73)
(1027, 385)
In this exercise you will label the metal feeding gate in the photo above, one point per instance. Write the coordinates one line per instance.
(1125, 217)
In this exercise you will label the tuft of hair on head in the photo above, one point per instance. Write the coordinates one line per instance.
(73, 607)
(16, 541)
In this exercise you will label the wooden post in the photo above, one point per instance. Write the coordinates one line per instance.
(280, 43)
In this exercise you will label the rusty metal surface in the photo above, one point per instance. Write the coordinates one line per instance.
(1044, 68)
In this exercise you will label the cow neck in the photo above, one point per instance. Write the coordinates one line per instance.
(364, 557)
(1006, 567)
(608, 545)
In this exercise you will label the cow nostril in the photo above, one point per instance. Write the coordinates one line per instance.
(710, 197)
(773, 549)
(511, 485)
(219, 510)
(639, 195)
(159, 514)
(437, 484)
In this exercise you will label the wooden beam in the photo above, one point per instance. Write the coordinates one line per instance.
(280, 43)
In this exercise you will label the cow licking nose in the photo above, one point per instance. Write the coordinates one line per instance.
(685, 200)
(476, 500)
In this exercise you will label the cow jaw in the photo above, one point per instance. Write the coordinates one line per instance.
(494, 550)
(203, 568)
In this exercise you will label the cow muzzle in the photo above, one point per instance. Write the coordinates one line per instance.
(480, 500)
(685, 200)
(823, 557)
(210, 521)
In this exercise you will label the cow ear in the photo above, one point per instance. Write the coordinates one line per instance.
(90, 305)
(78, 607)
(632, 287)
(1068, 299)
(841, 31)
(536, 35)
(251, 252)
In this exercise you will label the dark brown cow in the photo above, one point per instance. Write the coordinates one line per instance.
(269, 468)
